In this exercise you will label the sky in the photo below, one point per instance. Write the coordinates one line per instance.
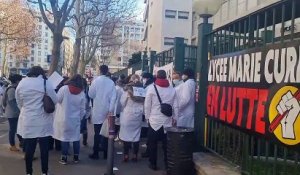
(140, 9)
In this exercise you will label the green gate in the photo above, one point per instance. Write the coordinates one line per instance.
(254, 154)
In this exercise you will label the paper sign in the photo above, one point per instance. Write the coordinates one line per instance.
(55, 79)
(139, 92)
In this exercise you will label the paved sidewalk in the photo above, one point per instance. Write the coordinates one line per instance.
(13, 163)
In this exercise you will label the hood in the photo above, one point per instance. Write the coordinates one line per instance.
(74, 90)
(162, 82)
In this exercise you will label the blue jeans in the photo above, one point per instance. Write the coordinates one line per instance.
(65, 148)
(13, 123)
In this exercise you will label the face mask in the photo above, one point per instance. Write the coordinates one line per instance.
(184, 77)
(176, 82)
(144, 81)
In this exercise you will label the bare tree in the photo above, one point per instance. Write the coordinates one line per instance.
(17, 30)
(55, 14)
(98, 30)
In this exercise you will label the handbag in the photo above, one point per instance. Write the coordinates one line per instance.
(165, 108)
(48, 103)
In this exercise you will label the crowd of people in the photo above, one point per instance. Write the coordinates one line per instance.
(162, 104)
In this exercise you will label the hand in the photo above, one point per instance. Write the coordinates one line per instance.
(290, 104)
(174, 122)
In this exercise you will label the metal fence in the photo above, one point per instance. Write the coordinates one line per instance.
(255, 155)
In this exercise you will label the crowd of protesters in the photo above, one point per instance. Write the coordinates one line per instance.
(76, 102)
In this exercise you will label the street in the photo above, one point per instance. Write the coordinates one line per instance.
(12, 163)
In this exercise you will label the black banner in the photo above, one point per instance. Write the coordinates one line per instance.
(258, 90)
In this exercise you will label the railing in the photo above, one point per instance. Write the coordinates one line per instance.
(255, 155)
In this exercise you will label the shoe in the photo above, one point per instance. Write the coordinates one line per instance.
(94, 156)
(145, 155)
(126, 158)
(63, 160)
(14, 149)
(76, 159)
(84, 143)
(153, 167)
(134, 159)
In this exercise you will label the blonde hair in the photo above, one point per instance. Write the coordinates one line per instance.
(135, 78)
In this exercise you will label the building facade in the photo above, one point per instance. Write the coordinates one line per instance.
(39, 53)
(165, 20)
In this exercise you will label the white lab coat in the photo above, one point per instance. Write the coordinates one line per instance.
(186, 102)
(152, 106)
(131, 119)
(103, 92)
(118, 107)
(70, 109)
(33, 121)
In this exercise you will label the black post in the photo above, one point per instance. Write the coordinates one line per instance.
(202, 81)
(144, 61)
(152, 61)
(111, 147)
(179, 48)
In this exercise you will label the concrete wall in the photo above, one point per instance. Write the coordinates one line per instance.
(235, 9)
(159, 27)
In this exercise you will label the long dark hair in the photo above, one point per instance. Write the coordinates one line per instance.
(36, 71)
(76, 81)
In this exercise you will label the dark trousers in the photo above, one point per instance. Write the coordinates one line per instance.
(98, 139)
(83, 130)
(30, 145)
(127, 146)
(65, 148)
(153, 138)
(54, 143)
(13, 123)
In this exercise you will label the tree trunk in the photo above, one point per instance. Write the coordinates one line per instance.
(76, 56)
(55, 57)
(82, 65)
(77, 44)
(4, 60)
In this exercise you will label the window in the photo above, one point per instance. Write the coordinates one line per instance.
(40, 26)
(32, 65)
(170, 14)
(183, 15)
(40, 19)
(168, 41)
(46, 34)
(39, 46)
(46, 28)
(46, 41)
(39, 53)
(32, 45)
(10, 64)
(25, 65)
(32, 52)
(32, 58)
(39, 59)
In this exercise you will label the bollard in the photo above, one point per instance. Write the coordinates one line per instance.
(111, 141)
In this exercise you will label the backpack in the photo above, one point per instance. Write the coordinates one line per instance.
(4, 98)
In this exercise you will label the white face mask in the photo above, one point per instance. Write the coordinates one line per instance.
(176, 82)
(184, 77)
(144, 81)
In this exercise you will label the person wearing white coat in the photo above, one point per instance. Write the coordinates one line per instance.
(70, 109)
(157, 120)
(186, 99)
(131, 118)
(34, 123)
(103, 93)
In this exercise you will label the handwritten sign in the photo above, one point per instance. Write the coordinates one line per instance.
(139, 92)
(55, 79)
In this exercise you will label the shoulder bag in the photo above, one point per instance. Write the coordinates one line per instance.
(165, 108)
(48, 104)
